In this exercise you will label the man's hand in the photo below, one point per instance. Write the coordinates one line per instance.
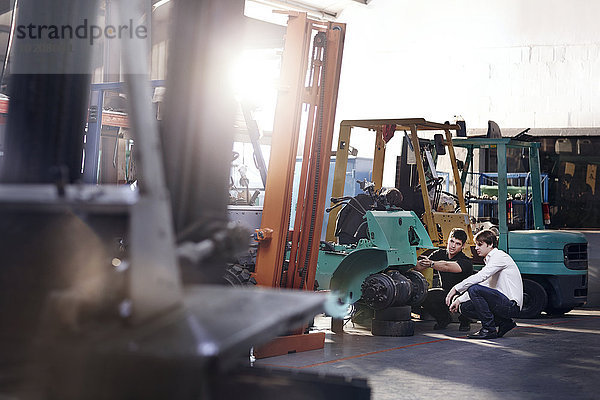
(423, 263)
(450, 296)
(454, 306)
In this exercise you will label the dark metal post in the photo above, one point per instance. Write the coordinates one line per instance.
(44, 137)
(199, 109)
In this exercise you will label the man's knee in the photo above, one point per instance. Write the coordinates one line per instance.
(474, 289)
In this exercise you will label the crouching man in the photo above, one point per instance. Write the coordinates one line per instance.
(452, 266)
(494, 295)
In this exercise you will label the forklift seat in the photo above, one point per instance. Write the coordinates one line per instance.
(349, 227)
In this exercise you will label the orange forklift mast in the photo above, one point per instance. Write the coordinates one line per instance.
(309, 80)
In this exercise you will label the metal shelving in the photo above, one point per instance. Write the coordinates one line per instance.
(488, 207)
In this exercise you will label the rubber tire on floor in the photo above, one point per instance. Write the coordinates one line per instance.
(401, 313)
(392, 328)
(535, 299)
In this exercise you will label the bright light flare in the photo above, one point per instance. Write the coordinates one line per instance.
(254, 75)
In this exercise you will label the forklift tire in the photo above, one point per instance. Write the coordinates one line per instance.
(401, 313)
(557, 312)
(392, 328)
(535, 299)
(237, 275)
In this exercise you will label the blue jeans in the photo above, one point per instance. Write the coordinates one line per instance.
(489, 306)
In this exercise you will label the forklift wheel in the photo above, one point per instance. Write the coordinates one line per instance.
(534, 299)
(401, 313)
(393, 328)
(237, 275)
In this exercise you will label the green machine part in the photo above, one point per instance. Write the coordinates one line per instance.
(543, 251)
(556, 260)
(394, 238)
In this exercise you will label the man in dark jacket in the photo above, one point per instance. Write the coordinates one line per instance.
(453, 266)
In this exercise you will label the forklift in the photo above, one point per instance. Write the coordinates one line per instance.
(378, 241)
(553, 263)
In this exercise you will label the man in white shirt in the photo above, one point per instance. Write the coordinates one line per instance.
(494, 295)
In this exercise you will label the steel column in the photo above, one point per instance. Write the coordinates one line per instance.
(534, 167)
(92, 137)
(502, 197)
(465, 172)
(339, 176)
(429, 223)
(457, 181)
(254, 134)
(197, 130)
(378, 158)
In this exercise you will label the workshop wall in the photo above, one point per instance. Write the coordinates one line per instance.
(521, 64)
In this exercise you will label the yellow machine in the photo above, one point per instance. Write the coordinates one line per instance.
(438, 221)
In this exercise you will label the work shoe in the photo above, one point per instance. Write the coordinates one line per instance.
(483, 334)
(442, 324)
(464, 327)
(439, 326)
(502, 330)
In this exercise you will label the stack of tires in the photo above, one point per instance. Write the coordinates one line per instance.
(393, 321)
(392, 294)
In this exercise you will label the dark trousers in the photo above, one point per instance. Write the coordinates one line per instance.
(435, 305)
(489, 306)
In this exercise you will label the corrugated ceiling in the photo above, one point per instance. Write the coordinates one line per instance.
(324, 9)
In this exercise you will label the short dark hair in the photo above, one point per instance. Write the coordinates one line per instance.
(459, 234)
(487, 236)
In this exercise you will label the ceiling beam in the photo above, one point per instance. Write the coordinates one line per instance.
(299, 6)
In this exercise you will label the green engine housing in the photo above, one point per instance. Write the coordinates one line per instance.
(393, 240)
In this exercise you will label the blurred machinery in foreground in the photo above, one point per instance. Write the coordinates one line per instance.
(92, 304)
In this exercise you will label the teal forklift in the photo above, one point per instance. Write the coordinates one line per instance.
(373, 242)
(554, 264)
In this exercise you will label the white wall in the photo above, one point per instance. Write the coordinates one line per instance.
(533, 63)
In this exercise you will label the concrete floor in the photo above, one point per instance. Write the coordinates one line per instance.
(546, 358)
